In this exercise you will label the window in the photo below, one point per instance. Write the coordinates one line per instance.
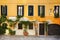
(41, 11)
(30, 10)
(56, 11)
(4, 10)
(19, 25)
(31, 26)
(20, 10)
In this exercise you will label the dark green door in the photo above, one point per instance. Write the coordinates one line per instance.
(41, 28)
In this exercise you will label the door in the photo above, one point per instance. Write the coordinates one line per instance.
(41, 28)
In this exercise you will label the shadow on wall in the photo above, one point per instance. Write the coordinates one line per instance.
(54, 29)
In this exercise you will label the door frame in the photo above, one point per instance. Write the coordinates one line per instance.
(38, 28)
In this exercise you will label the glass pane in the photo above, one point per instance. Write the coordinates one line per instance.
(31, 26)
(19, 26)
(3, 10)
(20, 10)
(30, 10)
(56, 11)
(41, 11)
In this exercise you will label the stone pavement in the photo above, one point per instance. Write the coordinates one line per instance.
(4, 37)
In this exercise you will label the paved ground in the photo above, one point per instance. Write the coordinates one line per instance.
(29, 37)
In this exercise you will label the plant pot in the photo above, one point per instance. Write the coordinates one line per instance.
(25, 33)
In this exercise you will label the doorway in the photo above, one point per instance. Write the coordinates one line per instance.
(41, 28)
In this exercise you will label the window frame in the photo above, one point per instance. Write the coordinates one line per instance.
(40, 30)
(56, 15)
(32, 10)
(4, 9)
(43, 9)
(22, 10)
(20, 28)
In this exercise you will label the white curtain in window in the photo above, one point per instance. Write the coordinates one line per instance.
(40, 9)
(56, 10)
(20, 11)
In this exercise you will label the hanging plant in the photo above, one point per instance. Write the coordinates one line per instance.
(18, 18)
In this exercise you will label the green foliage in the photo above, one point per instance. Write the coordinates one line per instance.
(3, 18)
(3, 29)
(10, 22)
(11, 32)
(0, 21)
(4, 26)
(18, 17)
(25, 22)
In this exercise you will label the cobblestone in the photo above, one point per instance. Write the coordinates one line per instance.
(4, 37)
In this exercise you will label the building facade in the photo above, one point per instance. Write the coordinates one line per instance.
(34, 10)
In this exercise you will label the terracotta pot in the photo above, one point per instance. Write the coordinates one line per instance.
(25, 33)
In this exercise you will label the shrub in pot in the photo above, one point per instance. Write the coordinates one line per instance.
(25, 31)
(11, 32)
(2, 31)
(25, 27)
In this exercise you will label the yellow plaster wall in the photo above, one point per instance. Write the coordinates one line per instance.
(49, 4)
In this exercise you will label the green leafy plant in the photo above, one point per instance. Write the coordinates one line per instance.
(3, 29)
(11, 23)
(4, 25)
(18, 18)
(25, 22)
(3, 18)
(25, 27)
(11, 32)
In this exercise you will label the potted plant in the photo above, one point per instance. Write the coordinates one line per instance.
(11, 32)
(3, 28)
(25, 31)
(25, 27)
